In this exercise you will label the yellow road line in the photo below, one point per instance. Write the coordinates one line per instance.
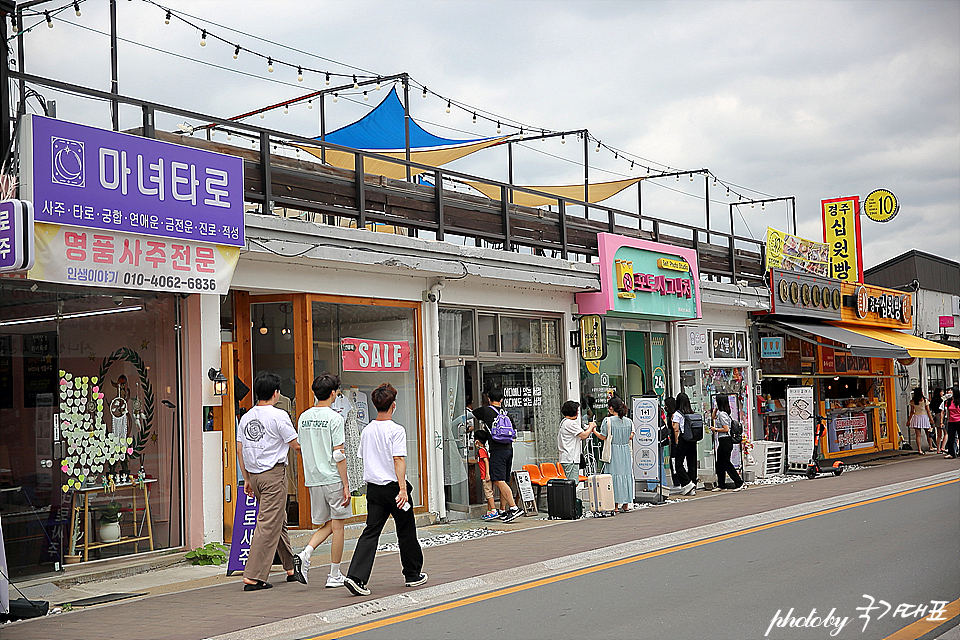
(923, 626)
(413, 615)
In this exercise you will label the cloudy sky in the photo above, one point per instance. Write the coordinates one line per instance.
(809, 99)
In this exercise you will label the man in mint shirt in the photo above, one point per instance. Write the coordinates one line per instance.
(325, 475)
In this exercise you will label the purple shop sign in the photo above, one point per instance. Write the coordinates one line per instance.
(87, 177)
(244, 523)
(16, 236)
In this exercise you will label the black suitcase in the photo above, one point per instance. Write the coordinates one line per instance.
(562, 499)
(21, 609)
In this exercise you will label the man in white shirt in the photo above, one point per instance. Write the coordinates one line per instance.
(264, 438)
(569, 437)
(383, 447)
(325, 476)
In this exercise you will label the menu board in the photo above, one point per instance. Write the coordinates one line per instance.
(800, 422)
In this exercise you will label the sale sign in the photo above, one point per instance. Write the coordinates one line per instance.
(360, 354)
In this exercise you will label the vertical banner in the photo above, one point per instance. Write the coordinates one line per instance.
(841, 230)
(244, 524)
(800, 410)
(646, 448)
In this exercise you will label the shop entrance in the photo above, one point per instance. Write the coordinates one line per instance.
(456, 389)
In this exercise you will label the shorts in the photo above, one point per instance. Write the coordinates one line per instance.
(501, 461)
(325, 501)
(487, 490)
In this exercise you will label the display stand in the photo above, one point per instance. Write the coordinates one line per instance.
(528, 501)
(647, 452)
(135, 488)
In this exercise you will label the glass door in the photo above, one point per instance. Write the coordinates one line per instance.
(457, 428)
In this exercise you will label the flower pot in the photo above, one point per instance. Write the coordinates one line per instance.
(109, 531)
(68, 559)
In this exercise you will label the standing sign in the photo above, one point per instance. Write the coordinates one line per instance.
(800, 411)
(89, 177)
(16, 235)
(527, 498)
(841, 230)
(244, 524)
(646, 446)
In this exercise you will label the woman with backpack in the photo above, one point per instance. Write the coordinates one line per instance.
(722, 423)
(686, 456)
(952, 410)
(619, 429)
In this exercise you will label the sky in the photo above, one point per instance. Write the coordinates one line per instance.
(779, 99)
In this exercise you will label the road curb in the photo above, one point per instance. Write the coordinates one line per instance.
(378, 609)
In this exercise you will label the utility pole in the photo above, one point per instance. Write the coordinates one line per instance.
(7, 7)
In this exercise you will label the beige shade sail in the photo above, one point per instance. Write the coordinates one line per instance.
(432, 157)
(597, 192)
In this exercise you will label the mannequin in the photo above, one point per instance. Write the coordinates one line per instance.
(356, 417)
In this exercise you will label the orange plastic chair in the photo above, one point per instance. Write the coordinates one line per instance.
(549, 471)
(535, 477)
(580, 478)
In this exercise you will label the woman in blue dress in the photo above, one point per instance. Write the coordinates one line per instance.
(620, 429)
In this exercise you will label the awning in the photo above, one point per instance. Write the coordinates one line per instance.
(598, 192)
(916, 347)
(857, 343)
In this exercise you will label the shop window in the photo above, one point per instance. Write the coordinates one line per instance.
(368, 345)
(487, 331)
(936, 376)
(456, 332)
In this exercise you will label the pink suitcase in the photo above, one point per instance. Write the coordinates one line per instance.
(600, 493)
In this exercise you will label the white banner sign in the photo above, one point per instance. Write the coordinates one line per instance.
(73, 255)
(646, 425)
(800, 412)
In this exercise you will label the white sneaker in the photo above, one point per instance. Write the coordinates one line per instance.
(301, 565)
(687, 488)
(334, 581)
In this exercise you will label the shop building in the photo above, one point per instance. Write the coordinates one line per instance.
(841, 340)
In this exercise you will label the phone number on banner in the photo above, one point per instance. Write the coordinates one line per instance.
(133, 279)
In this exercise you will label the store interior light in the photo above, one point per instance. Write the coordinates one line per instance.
(68, 316)
(219, 381)
(263, 325)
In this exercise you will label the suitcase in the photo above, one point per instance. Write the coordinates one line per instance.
(562, 499)
(600, 492)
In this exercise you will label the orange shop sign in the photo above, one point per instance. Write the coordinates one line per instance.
(876, 306)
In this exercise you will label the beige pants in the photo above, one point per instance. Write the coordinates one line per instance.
(270, 534)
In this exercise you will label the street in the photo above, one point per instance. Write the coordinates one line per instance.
(828, 568)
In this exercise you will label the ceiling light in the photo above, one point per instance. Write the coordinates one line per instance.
(263, 325)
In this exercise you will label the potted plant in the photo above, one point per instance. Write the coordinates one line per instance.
(110, 521)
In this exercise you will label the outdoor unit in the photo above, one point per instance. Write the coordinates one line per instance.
(768, 457)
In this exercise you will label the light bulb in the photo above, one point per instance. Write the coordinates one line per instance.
(616, 156)
(753, 206)
(678, 177)
(366, 97)
(263, 325)
(229, 136)
(648, 170)
(598, 147)
(474, 118)
(309, 104)
(203, 38)
(448, 106)
(285, 110)
(253, 144)
(49, 21)
(335, 97)
(378, 83)
(728, 192)
(299, 74)
(298, 152)
(270, 65)
(261, 115)
(356, 85)
(328, 79)
(424, 92)
(763, 205)
(264, 330)
(167, 20)
(76, 7)
(498, 126)
(236, 52)
(631, 165)
(691, 177)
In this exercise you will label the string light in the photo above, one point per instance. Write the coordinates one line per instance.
(203, 38)
(270, 65)
(328, 79)
(285, 110)
(563, 138)
(335, 97)
(498, 126)
(309, 104)
(424, 92)
(448, 106)
(49, 21)
(366, 98)
(261, 115)
(299, 74)
(378, 83)
(356, 85)
(598, 146)
(167, 21)
(474, 117)
(236, 52)
(76, 7)
(691, 177)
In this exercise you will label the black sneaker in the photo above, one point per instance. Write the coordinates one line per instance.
(512, 514)
(355, 587)
(416, 582)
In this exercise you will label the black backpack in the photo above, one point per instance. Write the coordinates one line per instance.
(736, 432)
(692, 427)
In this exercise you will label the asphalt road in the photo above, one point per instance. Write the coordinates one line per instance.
(903, 550)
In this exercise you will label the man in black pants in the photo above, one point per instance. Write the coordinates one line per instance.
(383, 447)
(501, 457)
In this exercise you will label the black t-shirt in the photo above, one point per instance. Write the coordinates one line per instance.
(487, 415)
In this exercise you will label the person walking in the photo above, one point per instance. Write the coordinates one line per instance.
(619, 428)
(951, 410)
(686, 457)
(936, 414)
(264, 439)
(919, 419)
(501, 457)
(721, 428)
(669, 408)
(570, 437)
(383, 448)
(325, 476)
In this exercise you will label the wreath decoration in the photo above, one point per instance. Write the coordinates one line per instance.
(129, 355)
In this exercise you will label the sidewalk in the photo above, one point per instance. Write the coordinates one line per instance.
(200, 602)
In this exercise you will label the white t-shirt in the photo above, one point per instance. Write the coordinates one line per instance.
(380, 442)
(263, 434)
(723, 420)
(321, 429)
(568, 440)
